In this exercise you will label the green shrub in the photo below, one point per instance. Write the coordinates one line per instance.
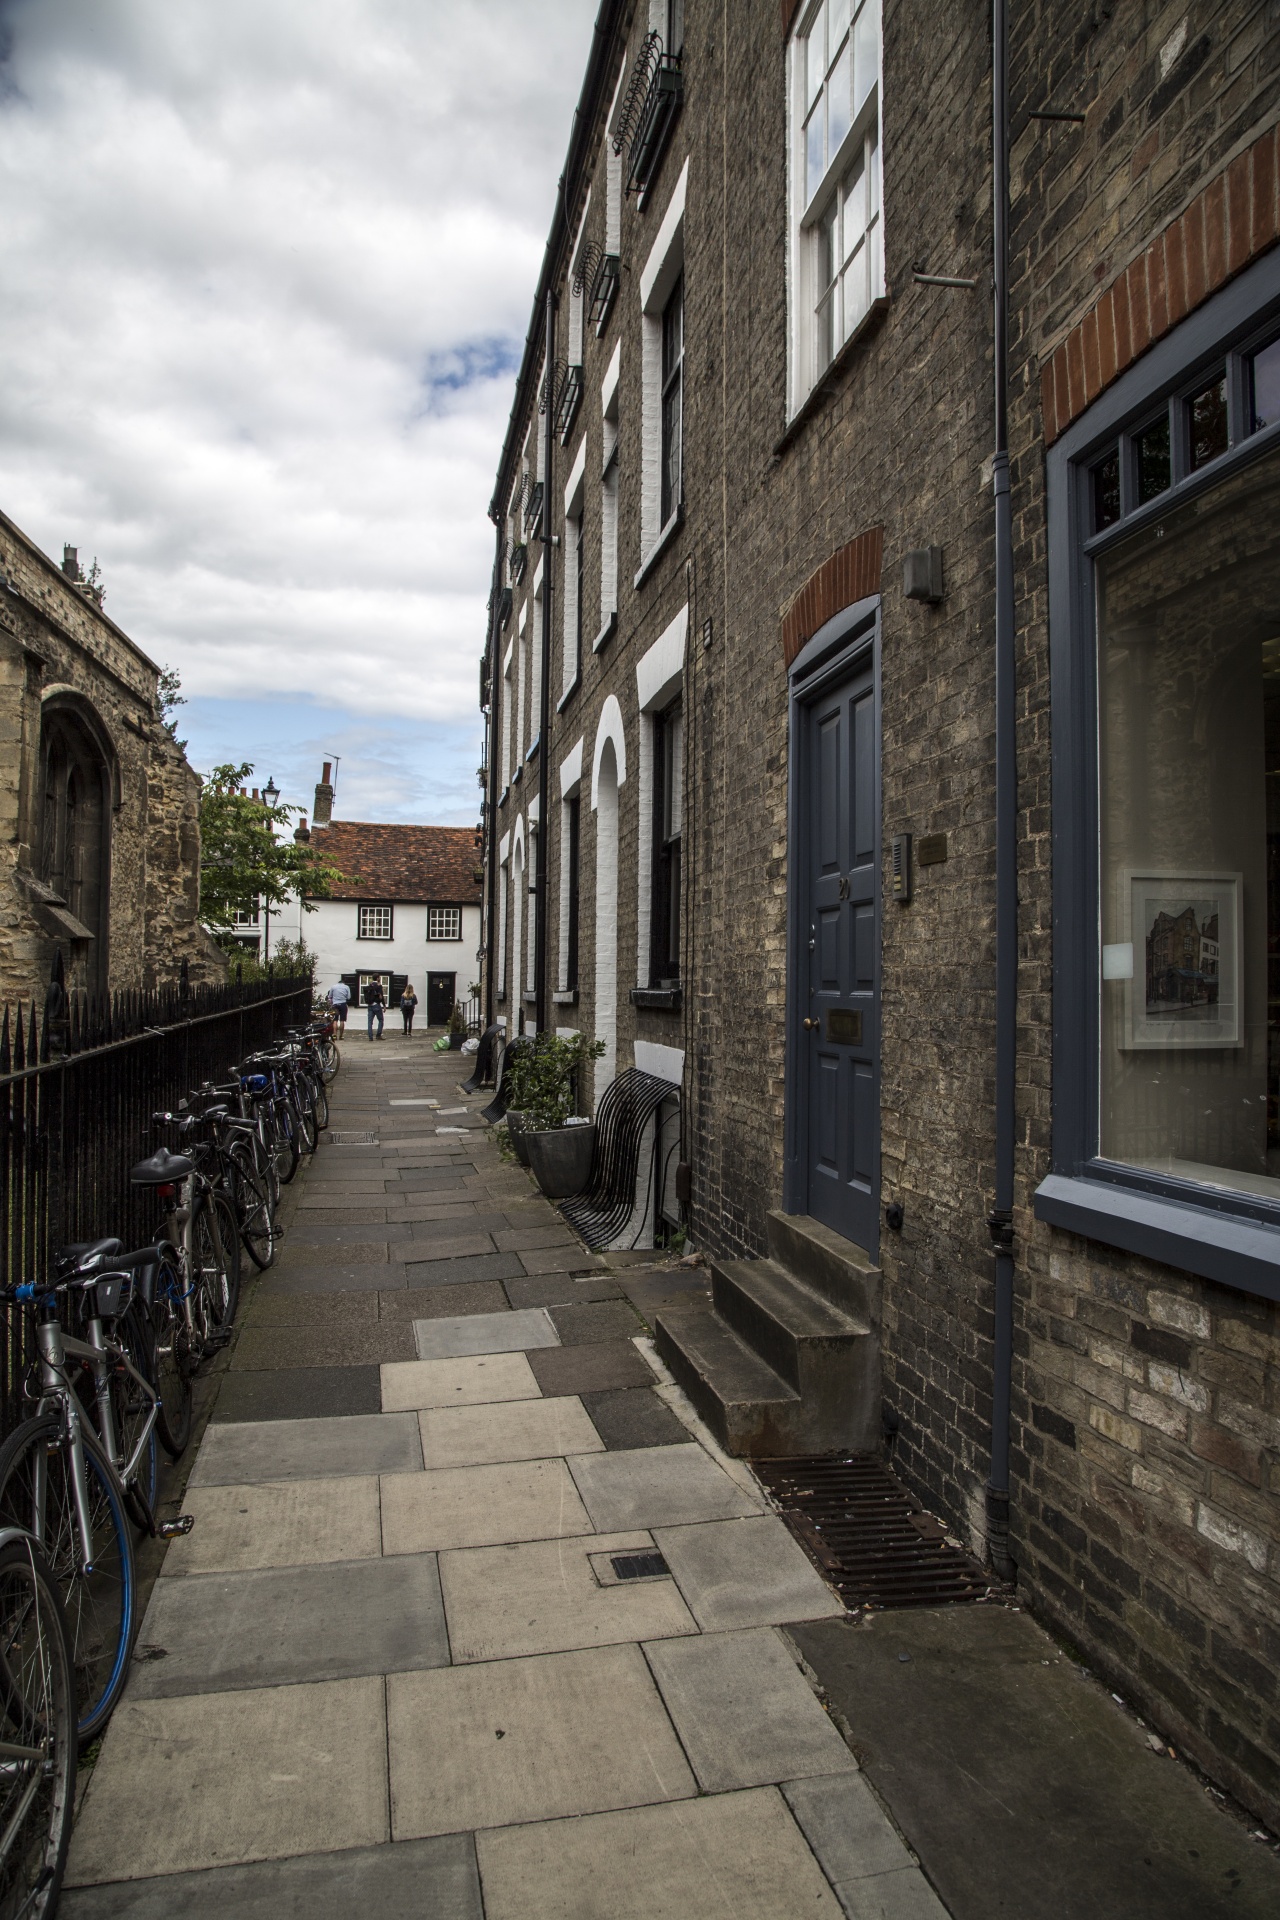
(539, 1077)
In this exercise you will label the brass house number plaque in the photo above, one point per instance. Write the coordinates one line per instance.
(844, 1029)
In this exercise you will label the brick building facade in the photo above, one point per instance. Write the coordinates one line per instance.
(772, 425)
(100, 854)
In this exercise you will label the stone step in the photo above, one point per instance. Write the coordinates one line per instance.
(824, 1260)
(794, 1329)
(744, 1402)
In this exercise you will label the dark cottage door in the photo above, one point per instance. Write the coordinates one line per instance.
(440, 998)
(840, 1033)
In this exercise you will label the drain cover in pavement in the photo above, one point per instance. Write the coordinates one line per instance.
(875, 1544)
(352, 1139)
(638, 1566)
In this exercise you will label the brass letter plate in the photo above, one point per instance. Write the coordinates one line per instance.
(931, 849)
(844, 1029)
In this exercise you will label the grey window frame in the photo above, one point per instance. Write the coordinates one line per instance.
(1229, 1237)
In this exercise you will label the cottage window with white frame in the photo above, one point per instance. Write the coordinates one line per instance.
(662, 381)
(374, 923)
(609, 501)
(834, 165)
(572, 596)
(444, 923)
(672, 399)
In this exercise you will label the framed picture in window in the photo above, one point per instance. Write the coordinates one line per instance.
(1180, 960)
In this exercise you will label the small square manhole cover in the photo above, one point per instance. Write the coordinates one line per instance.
(352, 1139)
(638, 1566)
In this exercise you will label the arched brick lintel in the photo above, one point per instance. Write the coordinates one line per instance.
(851, 574)
(1228, 224)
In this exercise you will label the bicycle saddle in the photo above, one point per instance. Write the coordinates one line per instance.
(84, 1251)
(163, 1169)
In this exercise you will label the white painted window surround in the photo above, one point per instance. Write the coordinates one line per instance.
(661, 271)
(574, 494)
(659, 678)
(535, 658)
(608, 774)
(577, 292)
(609, 496)
(613, 175)
(664, 1063)
(570, 785)
(507, 732)
(532, 855)
(522, 683)
(835, 246)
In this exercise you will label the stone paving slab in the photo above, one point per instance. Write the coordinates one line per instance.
(526, 1239)
(734, 1857)
(553, 1260)
(851, 1834)
(348, 1211)
(553, 1289)
(504, 1602)
(484, 1333)
(309, 1276)
(657, 1486)
(443, 1303)
(744, 1711)
(520, 1430)
(588, 1323)
(300, 1254)
(363, 1343)
(311, 1233)
(295, 1393)
(240, 1453)
(331, 1308)
(402, 1882)
(283, 1625)
(297, 1523)
(513, 1740)
(480, 1507)
(746, 1573)
(231, 1777)
(449, 1271)
(447, 1245)
(633, 1417)
(476, 1380)
(591, 1368)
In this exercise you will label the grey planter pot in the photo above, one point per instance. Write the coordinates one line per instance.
(516, 1135)
(455, 1041)
(561, 1160)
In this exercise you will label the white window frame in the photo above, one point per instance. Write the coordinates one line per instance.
(535, 660)
(436, 916)
(522, 686)
(661, 271)
(508, 731)
(533, 852)
(374, 911)
(659, 680)
(807, 360)
(504, 876)
(609, 500)
(570, 622)
(570, 789)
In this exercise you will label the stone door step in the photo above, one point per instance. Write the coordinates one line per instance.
(785, 1359)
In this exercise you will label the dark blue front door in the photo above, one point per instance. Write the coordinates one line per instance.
(839, 1038)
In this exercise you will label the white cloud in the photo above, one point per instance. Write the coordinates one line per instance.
(268, 268)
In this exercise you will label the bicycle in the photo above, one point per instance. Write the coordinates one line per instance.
(236, 1150)
(38, 1740)
(202, 1230)
(322, 1026)
(58, 1483)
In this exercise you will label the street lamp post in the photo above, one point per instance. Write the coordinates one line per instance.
(270, 794)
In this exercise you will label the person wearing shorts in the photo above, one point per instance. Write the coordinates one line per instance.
(339, 998)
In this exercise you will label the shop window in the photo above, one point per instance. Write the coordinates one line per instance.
(1164, 504)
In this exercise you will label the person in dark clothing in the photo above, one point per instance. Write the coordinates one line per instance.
(375, 1001)
(408, 1006)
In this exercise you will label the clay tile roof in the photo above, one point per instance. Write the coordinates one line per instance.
(401, 863)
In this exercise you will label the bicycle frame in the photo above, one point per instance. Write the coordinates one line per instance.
(56, 1393)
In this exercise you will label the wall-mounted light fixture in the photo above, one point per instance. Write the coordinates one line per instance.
(922, 575)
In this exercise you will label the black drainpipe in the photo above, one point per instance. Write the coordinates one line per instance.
(1000, 1220)
(544, 711)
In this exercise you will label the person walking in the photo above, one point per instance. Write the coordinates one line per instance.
(339, 998)
(375, 1001)
(408, 1005)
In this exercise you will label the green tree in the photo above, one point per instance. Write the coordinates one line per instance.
(169, 697)
(243, 866)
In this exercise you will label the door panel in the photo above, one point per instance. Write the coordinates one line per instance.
(837, 855)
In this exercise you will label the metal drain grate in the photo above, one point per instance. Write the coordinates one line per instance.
(875, 1544)
(638, 1566)
(351, 1139)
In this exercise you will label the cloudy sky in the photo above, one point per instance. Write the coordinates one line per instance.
(267, 270)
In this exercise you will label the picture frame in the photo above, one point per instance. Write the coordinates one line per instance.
(1181, 960)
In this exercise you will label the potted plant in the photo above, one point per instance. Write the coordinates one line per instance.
(457, 1027)
(559, 1142)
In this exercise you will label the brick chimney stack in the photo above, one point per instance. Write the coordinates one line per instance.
(322, 812)
(302, 832)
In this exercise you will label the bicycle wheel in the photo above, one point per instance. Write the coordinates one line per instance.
(37, 1702)
(171, 1361)
(131, 1407)
(215, 1256)
(36, 1492)
(321, 1108)
(330, 1058)
(253, 1209)
(304, 1116)
(288, 1138)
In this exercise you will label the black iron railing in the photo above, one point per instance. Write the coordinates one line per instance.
(568, 400)
(78, 1086)
(654, 93)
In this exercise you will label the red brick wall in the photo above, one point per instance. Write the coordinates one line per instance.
(849, 575)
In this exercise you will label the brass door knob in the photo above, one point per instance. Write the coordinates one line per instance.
(812, 1023)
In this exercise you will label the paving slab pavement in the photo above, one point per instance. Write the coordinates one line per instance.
(402, 1664)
